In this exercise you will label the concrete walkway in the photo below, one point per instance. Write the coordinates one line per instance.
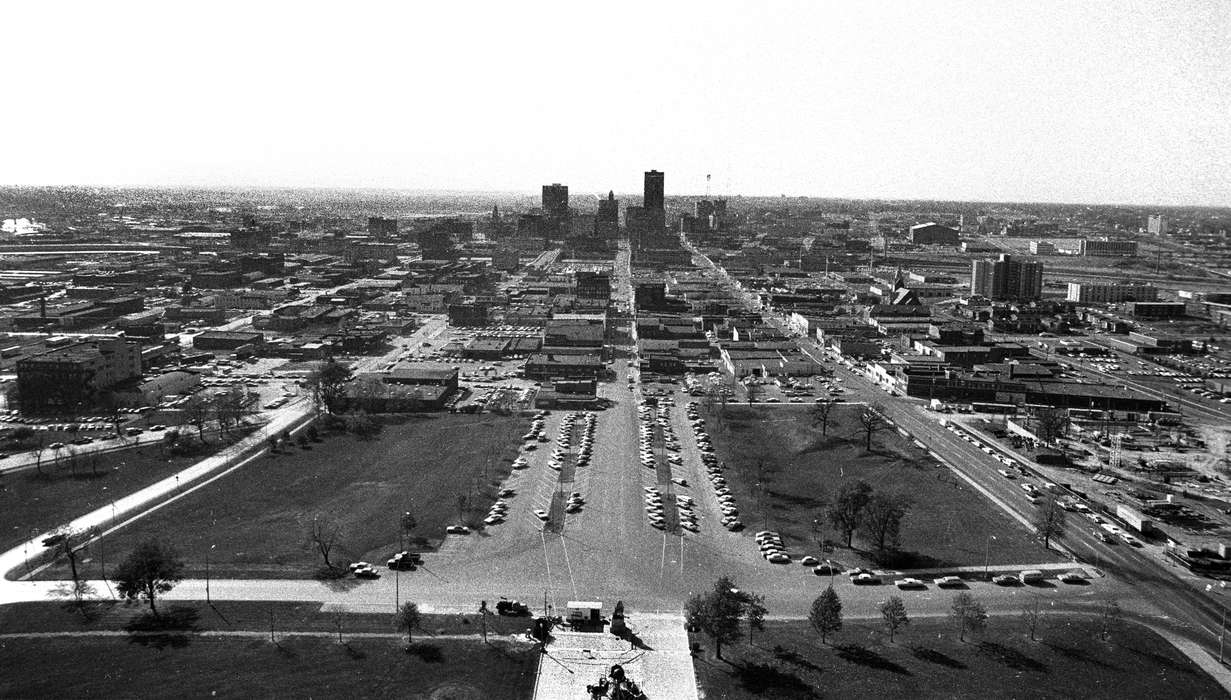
(660, 664)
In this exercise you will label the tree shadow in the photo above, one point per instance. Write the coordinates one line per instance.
(353, 653)
(336, 579)
(1077, 654)
(631, 637)
(168, 629)
(936, 657)
(89, 610)
(1182, 666)
(765, 678)
(1011, 657)
(896, 559)
(792, 656)
(859, 654)
(428, 653)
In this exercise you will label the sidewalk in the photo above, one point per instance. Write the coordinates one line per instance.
(661, 664)
(176, 485)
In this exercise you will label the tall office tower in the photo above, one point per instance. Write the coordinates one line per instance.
(609, 209)
(1156, 225)
(555, 210)
(1006, 279)
(653, 200)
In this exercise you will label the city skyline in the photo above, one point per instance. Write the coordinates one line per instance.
(1100, 103)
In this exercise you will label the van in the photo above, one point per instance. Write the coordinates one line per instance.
(1030, 576)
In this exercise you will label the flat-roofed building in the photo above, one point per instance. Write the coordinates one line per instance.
(77, 376)
(1087, 293)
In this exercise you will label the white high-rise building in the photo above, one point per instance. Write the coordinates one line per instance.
(1156, 225)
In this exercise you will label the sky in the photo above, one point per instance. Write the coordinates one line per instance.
(1099, 102)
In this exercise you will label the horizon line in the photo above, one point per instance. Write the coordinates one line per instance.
(531, 193)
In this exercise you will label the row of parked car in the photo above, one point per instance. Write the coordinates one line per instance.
(584, 439)
(713, 468)
(649, 417)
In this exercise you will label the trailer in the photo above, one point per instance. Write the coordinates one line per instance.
(1133, 518)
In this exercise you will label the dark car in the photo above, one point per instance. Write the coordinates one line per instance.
(512, 608)
(405, 561)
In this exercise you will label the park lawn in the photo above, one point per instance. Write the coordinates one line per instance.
(788, 661)
(30, 501)
(227, 615)
(258, 518)
(294, 667)
(949, 522)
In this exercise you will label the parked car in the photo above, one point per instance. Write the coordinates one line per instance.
(949, 582)
(457, 530)
(907, 583)
(512, 608)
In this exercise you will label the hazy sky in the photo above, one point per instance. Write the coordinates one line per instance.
(1009, 100)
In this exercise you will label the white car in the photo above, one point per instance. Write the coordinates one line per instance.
(540, 513)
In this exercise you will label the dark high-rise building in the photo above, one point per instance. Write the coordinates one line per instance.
(380, 227)
(609, 209)
(555, 210)
(1007, 279)
(653, 200)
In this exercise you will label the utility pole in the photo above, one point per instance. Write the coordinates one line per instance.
(1221, 634)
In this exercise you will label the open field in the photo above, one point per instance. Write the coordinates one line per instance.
(30, 500)
(926, 660)
(949, 522)
(258, 518)
(253, 667)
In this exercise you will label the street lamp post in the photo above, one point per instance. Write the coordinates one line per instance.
(987, 552)
(207, 598)
(1221, 634)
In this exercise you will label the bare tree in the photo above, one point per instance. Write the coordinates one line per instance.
(324, 535)
(1031, 616)
(66, 543)
(1110, 617)
(40, 445)
(197, 412)
(754, 608)
(846, 513)
(872, 419)
(753, 389)
(968, 613)
(820, 415)
(463, 504)
(1049, 521)
(882, 518)
(1053, 423)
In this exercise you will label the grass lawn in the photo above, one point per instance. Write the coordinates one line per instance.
(31, 500)
(927, 660)
(948, 523)
(259, 517)
(198, 616)
(296, 667)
